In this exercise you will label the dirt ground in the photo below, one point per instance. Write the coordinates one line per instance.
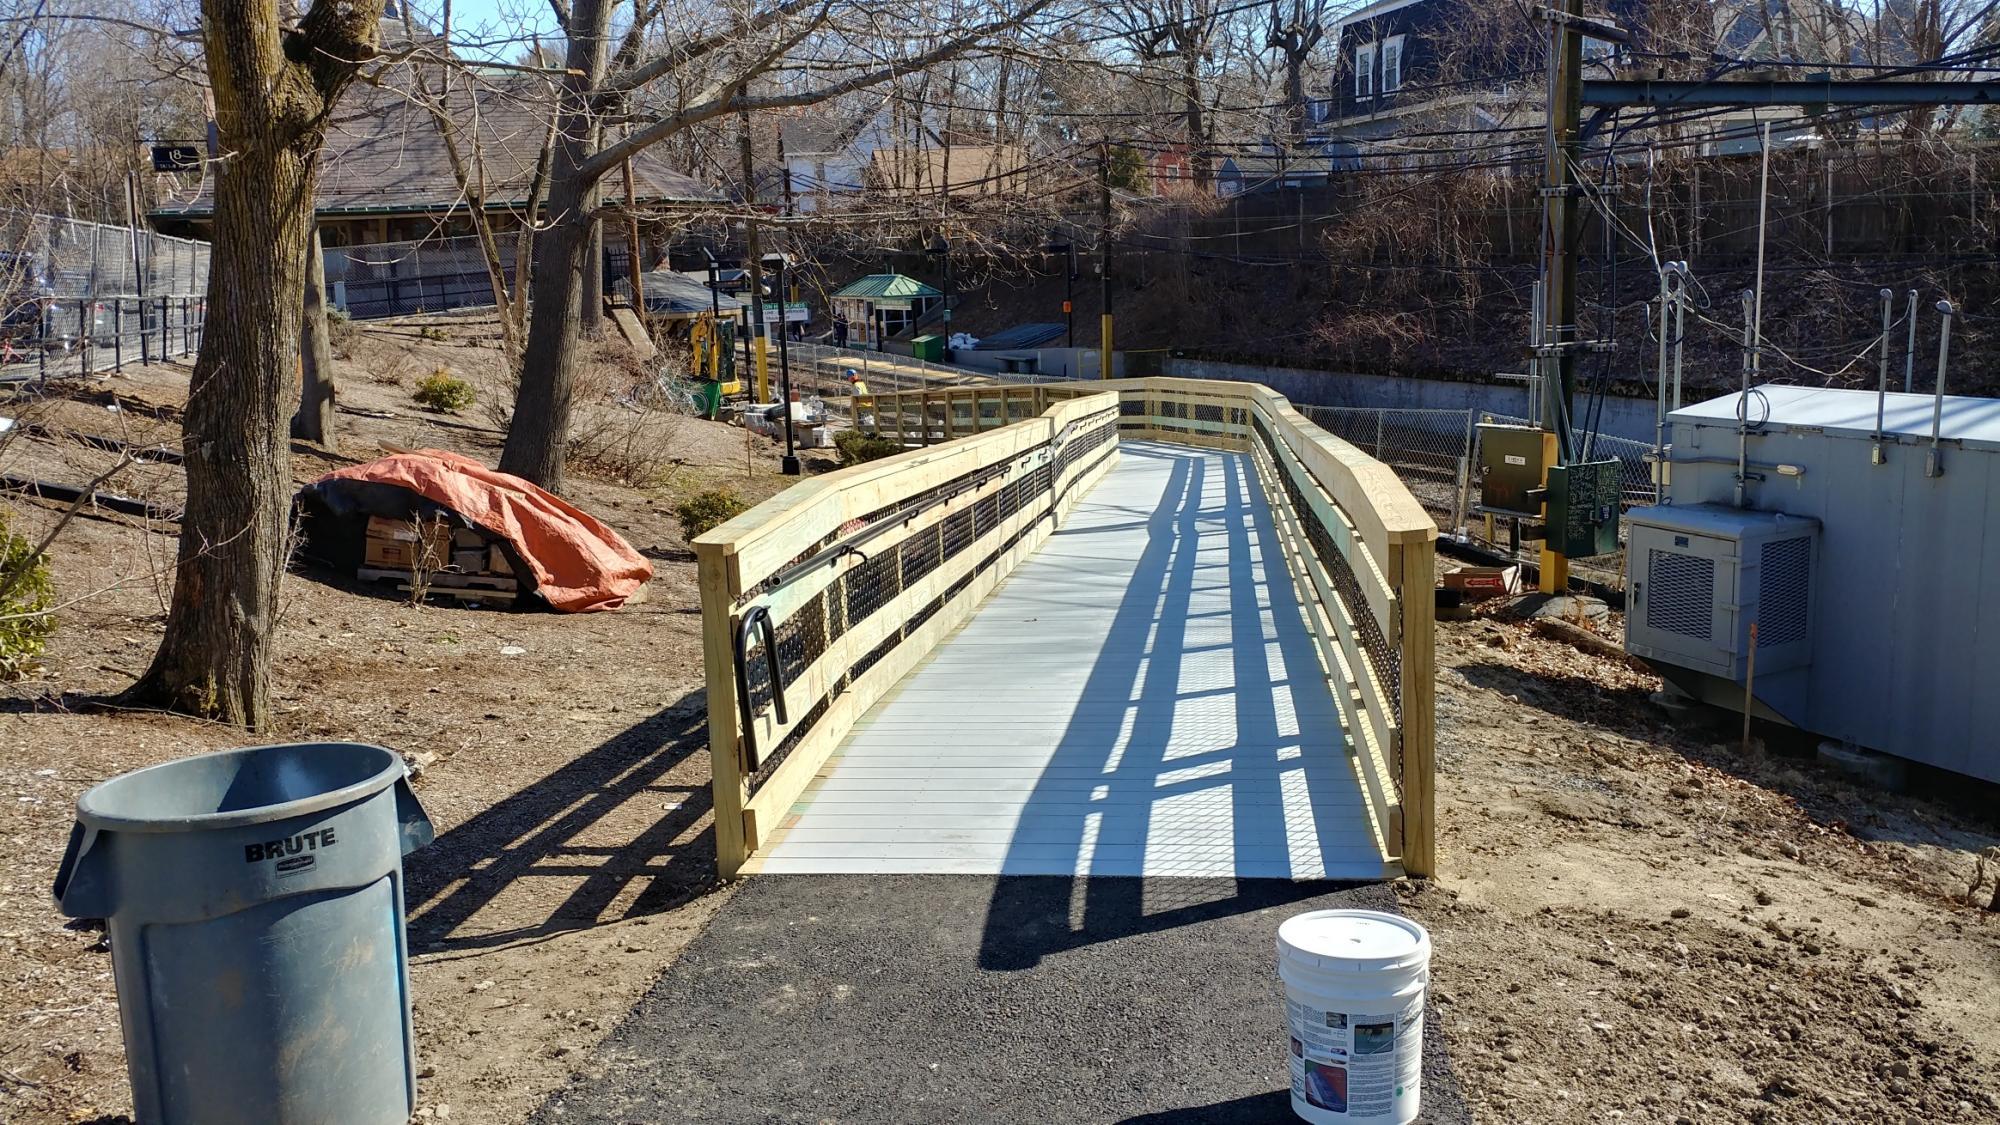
(1635, 921)
(563, 758)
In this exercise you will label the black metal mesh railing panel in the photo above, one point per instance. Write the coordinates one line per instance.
(881, 575)
(1384, 659)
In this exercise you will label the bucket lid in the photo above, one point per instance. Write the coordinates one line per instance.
(1354, 940)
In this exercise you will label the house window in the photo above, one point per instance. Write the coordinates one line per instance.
(1364, 71)
(1392, 64)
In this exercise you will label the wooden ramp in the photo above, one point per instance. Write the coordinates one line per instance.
(1141, 697)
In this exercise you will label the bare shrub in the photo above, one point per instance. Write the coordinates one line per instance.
(630, 415)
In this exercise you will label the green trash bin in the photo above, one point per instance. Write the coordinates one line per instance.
(254, 904)
(928, 347)
(708, 398)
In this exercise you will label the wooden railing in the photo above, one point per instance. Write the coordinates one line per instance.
(815, 602)
(1361, 550)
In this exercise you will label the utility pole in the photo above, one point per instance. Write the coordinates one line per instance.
(1557, 335)
(1104, 365)
(753, 259)
(633, 259)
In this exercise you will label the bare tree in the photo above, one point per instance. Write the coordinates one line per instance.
(274, 84)
(1296, 30)
(694, 67)
(1184, 33)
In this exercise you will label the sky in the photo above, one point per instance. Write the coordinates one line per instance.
(498, 30)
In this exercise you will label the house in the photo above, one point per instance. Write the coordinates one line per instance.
(961, 171)
(1279, 166)
(385, 175)
(881, 305)
(1433, 67)
(1171, 170)
(828, 159)
(1400, 59)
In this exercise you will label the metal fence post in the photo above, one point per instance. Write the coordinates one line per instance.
(118, 334)
(1379, 414)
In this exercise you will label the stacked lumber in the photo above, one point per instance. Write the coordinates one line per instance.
(466, 563)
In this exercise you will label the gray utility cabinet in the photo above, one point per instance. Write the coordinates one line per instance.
(1871, 580)
(1702, 573)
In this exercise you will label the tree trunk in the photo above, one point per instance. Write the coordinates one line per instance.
(1197, 130)
(539, 433)
(273, 83)
(314, 419)
(566, 274)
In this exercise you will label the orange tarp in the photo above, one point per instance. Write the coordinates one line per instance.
(579, 563)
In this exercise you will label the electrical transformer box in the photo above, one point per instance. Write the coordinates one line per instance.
(1511, 463)
(1582, 506)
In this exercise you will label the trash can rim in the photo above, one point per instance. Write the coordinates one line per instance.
(392, 771)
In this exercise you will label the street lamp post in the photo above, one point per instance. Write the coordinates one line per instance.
(942, 249)
(776, 263)
(1068, 251)
(715, 310)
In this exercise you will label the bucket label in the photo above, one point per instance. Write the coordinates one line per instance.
(291, 854)
(1356, 1066)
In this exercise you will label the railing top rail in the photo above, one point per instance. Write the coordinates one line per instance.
(1374, 497)
(768, 537)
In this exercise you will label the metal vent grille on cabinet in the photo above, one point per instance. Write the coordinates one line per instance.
(1785, 568)
(1681, 597)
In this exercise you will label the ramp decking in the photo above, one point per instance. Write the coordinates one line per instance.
(1140, 697)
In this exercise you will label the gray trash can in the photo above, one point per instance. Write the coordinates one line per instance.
(254, 900)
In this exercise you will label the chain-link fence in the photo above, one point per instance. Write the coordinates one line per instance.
(79, 297)
(1431, 451)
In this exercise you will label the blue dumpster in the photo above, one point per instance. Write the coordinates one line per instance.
(254, 903)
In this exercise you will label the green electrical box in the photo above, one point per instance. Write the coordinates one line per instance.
(1510, 469)
(1583, 508)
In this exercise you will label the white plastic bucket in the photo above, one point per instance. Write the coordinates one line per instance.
(1354, 1000)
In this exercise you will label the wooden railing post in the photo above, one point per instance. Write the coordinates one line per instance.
(718, 657)
(1412, 568)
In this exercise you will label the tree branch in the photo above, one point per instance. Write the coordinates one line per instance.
(636, 76)
(604, 160)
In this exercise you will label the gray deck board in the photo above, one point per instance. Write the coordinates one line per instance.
(1140, 698)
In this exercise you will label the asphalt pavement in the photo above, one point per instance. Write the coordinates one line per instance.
(912, 999)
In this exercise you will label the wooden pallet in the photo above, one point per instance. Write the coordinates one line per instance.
(443, 578)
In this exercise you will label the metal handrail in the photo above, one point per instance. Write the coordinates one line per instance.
(758, 617)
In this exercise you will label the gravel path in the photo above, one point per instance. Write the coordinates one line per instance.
(972, 999)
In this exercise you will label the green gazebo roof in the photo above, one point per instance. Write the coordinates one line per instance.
(890, 285)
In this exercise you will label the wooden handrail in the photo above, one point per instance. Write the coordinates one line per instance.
(787, 561)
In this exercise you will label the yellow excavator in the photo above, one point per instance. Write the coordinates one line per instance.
(714, 363)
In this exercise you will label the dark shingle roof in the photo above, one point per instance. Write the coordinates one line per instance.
(671, 292)
(1021, 336)
(383, 153)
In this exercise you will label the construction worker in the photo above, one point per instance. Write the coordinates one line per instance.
(861, 404)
